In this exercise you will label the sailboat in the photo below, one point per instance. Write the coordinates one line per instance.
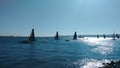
(97, 36)
(104, 36)
(75, 36)
(31, 38)
(56, 36)
(117, 36)
(114, 36)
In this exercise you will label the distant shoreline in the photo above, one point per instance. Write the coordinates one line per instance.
(85, 35)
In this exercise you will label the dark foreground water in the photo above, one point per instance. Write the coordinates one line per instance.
(49, 53)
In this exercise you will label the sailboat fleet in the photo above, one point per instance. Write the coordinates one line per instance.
(31, 38)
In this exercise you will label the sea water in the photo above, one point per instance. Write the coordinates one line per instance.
(45, 52)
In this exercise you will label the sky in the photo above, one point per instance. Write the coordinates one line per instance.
(18, 17)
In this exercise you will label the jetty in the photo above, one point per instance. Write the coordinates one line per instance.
(112, 64)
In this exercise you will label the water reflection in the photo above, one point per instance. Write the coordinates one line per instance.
(101, 45)
(90, 63)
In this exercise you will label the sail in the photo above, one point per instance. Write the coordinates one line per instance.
(75, 36)
(104, 36)
(32, 36)
(56, 37)
(117, 36)
(113, 36)
(97, 36)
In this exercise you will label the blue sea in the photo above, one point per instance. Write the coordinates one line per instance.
(45, 52)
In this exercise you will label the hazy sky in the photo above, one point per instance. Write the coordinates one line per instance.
(18, 17)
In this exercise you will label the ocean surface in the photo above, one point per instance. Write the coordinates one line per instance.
(45, 52)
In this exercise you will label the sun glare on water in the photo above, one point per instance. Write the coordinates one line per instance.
(91, 63)
(101, 45)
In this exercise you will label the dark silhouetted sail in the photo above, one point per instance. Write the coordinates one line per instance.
(56, 36)
(75, 36)
(104, 36)
(117, 36)
(30, 40)
(97, 36)
(32, 36)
